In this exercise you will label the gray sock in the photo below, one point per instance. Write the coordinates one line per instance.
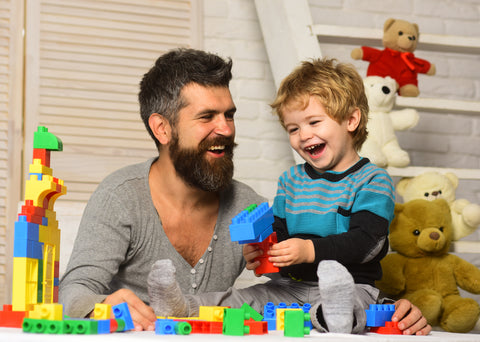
(166, 297)
(336, 291)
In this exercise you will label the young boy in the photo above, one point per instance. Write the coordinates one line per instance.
(331, 213)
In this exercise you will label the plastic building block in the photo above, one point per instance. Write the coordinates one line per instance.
(378, 314)
(306, 308)
(270, 315)
(25, 229)
(41, 326)
(234, 322)
(203, 327)
(295, 323)
(103, 326)
(24, 248)
(81, 326)
(52, 312)
(390, 328)
(256, 327)
(43, 155)
(211, 313)
(102, 311)
(121, 311)
(117, 325)
(183, 328)
(11, 319)
(43, 139)
(251, 311)
(38, 168)
(165, 327)
(25, 284)
(251, 222)
(261, 236)
(281, 317)
(265, 265)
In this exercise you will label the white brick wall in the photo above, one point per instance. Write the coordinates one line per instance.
(444, 140)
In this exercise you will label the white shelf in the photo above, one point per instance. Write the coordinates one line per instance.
(369, 36)
(446, 106)
(412, 171)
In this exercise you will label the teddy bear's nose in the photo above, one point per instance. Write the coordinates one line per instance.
(386, 90)
(434, 236)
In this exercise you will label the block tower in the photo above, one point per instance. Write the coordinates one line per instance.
(36, 251)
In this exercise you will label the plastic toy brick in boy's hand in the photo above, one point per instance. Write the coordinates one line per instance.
(397, 60)
(253, 226)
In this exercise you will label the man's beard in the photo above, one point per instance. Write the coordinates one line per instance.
(193, 167)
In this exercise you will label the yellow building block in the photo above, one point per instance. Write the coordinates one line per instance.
(211, 313)
(281, 317)
(37, 167)
(51, 312)
(25, 284)
(48, 273)
(102, 311)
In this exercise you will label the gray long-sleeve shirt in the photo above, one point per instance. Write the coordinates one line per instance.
(120, 236)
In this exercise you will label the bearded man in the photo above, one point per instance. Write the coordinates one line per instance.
(175, 206)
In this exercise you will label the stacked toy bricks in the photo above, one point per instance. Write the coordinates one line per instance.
(293, 320)
(379, 319)
(36, 252)
(254, 226)
(49, 319)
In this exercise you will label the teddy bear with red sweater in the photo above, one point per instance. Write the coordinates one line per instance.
(397, 60)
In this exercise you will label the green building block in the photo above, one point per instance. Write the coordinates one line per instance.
(43, 326)
(294, 323)
(252, 312)
(81, 326)
(43, 139)
(234, 322)
(183, 328)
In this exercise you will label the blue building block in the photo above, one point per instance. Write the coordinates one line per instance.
(121, 311)
(23, 248)
(165, 327)
(103, 326)
(263, 235)
(306, 309)
(270, 315)
(248, 225)
(378, 314)
(26, 230)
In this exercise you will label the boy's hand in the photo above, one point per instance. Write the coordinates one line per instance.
(292, 251)
(142, 315)
(250, 252)
(410, 319)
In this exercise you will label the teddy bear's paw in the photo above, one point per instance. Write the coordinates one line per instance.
(471, 215)
(409, 90)
(398, 159)
(460, 315)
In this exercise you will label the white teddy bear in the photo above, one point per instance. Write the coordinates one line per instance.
(381, 146)
(432, 185)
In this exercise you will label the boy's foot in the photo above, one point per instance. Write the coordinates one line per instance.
(336, 292)
(166, 297)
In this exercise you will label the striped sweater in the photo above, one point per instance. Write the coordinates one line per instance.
(345, 214)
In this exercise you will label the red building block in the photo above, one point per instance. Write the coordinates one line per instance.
(11, 319)
(257, 327)
(390, 328)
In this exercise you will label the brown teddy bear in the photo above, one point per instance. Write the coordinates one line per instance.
(400, 39)
(423, 271)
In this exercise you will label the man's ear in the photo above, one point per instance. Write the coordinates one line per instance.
(354, 120)
(160, 127)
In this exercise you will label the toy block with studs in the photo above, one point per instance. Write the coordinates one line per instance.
(234, 322)
(294, 323)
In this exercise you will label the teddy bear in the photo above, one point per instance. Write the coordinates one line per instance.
(422, 270)
(431, 185)
(400, 39)
(381, 146)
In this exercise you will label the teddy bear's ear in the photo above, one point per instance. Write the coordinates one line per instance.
(402, 185)
(398, 208)
(452, 178)
(389, 22)
(416, 29)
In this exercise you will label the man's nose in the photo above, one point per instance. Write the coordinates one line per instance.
(224, 126)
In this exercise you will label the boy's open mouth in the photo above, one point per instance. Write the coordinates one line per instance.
(315, 150)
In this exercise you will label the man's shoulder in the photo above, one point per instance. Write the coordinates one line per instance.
(241, 189)
(126, 174)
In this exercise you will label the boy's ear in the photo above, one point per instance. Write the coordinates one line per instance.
(161, 128)
(354, 120)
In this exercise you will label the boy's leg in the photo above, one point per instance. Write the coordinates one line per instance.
(364, 296)
(334, 311)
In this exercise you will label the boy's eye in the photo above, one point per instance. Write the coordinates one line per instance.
(292, 130)
(314, 122)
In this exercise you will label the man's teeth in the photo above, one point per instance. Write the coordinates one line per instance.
(217, 148)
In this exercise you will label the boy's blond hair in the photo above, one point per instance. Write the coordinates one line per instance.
(338, 86)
